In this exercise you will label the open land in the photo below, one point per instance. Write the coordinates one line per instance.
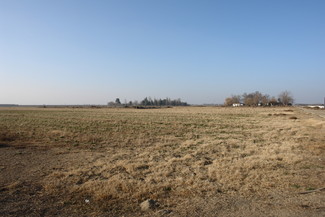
(194, 161)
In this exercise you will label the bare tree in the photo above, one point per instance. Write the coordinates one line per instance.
(228, 101)
(234, 99)
(249, 99)
(286, 98)
(273, 101)
(265, 100)
(253, 99)
(257, 98)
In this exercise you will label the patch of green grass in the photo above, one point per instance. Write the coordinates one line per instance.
(296, 186)
(310, 188)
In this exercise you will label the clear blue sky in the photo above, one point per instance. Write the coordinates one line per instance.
(91, 52)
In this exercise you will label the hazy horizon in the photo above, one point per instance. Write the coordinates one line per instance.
(92, 52)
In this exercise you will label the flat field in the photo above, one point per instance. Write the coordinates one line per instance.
(194, 161)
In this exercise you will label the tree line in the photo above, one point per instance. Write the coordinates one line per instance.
(256, 98)
(148, 101)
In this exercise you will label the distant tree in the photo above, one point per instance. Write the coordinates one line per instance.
(286, 98)
(156, 102)
(145, 102)
(110, 104)
(265, 100)
(117, 101)
(234, 99)
(148, 101)
(273, 101)
(257, 98)
(252, 99)
(228, 101)
(248, 99)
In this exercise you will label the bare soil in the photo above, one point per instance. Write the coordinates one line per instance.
(192, 161)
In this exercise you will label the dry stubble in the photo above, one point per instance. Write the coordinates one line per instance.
(192, 160)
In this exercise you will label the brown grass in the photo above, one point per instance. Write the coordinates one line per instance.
(185, 158)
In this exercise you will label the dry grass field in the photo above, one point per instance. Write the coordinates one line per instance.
(193, 161)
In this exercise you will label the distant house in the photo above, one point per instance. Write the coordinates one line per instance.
(237, 104)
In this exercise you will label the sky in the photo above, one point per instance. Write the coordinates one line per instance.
(202, 51)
